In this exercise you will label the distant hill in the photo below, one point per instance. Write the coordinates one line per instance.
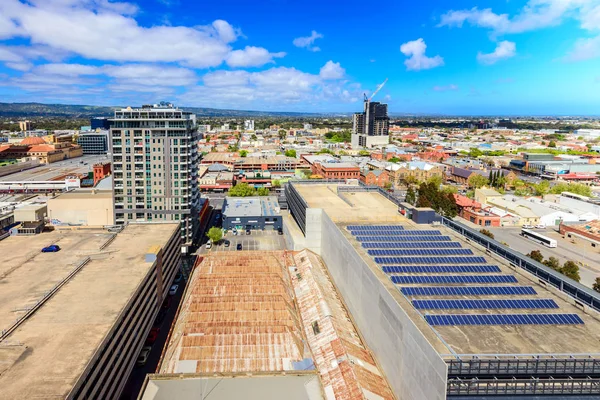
(30, 110)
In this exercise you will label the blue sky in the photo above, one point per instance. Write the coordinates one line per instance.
(536, 57)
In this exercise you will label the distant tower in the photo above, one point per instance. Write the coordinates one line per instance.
(371, 127)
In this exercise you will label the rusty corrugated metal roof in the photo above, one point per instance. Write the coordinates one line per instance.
(347, 369)
(238, 315)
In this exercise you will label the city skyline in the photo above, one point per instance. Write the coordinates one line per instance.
(538, 57)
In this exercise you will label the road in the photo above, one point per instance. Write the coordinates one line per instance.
(564, 252)
(136, 379)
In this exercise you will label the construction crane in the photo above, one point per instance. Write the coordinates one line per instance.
(376, 90)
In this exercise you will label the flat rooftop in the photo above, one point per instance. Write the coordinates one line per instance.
(350, 207)
(57, 170)
(45, 356)
(447, 339)
(266, 206)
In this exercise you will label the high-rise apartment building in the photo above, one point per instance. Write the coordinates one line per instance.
(371, 127)
(155, 173)
(24, 126)
(249, 125)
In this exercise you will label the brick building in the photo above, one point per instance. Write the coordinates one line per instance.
(336, 170)
(375, 177)
(101, 170)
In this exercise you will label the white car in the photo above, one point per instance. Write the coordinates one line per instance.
(540, 226)
(173, 290)
(527, 226)
(208, 245)
(143, 357)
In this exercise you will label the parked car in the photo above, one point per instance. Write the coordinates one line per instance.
(143, 357)
(540, 226)
(173, 290)
(208, 245)
(160, 317)
(235, 232)
(178, 278)
(226, 243)
(152, 336)
(239, 246)
(280, 232)
(527, 226)
(53, 248)
(248, 232)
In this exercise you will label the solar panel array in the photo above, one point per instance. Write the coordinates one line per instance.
(429, 264)
(421, 252)
(504, 319)
(482, 304)
(441, 269)
(411, 245)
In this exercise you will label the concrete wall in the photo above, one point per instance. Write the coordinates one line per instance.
(20, 166)
(94, 211)
(412, 366)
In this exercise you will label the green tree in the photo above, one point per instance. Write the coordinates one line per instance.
(282, 134)
(577, 188)
(243, 153)
(541, 188)
(596, 285)
(364, 153)
(435, 179)
(487, 233)
(253, 137)
(431, 196)
(290, 153)
(570, 270)
(394, 159)
(474, 152)
(276, 183)
(476, 181)
(411, 196)
(387, 185)
(536, 255)
(500, 182)
(491, 178)
(263, 191)
(215, 234)
(553, 263)
(241, 190)
(552, 144)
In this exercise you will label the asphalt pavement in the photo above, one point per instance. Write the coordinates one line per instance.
(589, 259)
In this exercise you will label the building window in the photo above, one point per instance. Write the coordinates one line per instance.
(488, 223)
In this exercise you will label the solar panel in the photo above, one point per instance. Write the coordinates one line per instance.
(436, 279)
(420, 252)
(396, 238)
(374, 227)
(385, 232)
(468, 291)
(441, 269)
(410, 245)
(482, 304)
(431, 260)
(504, 319)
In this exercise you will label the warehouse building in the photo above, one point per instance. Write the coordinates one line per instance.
(252, 213)
(448, 312)
(72, 323)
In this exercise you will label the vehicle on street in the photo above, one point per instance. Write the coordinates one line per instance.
(152, 336)
(166, 304)
(540, 226)
(208, 245)
(178, 278)
(280, 232)
(527, 226)
(235, 232)
(53, 248)
(546, 241)
(143, 357)
(248, 232)
(173, 290)
(227, 243)
(161, 316)
(239, 246)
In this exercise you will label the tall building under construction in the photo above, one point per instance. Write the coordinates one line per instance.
(371, 127)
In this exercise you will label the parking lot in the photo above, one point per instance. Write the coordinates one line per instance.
(257, 240)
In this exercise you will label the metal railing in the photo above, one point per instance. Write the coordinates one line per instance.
(522, 387)
(581, 293)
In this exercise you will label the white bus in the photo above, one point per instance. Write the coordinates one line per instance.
(546, 241)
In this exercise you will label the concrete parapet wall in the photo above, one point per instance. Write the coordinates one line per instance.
(413, 367)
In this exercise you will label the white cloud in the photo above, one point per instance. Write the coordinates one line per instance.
(332, 70)
(446, 88)
(417, 60)
(504, 50)
(584, 49)
(251, 57)
(308, 41)
(103, 30)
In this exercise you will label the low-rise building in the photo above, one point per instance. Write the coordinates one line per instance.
(335, 170)
(93, 142)
(377, 177)
(36, 147)
(88, 207)
(252, 213)
(418, 171)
